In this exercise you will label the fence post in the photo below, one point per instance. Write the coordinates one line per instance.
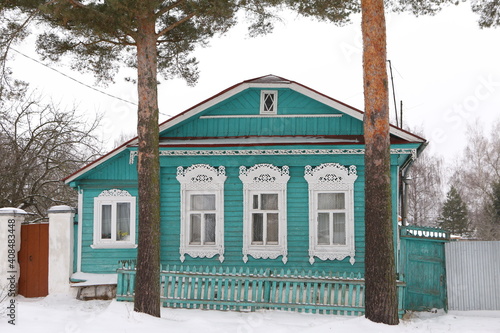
(60, 248)
(10, 244)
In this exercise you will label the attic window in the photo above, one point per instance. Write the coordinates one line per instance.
(268, 102)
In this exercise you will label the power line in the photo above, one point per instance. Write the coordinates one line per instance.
(71, 78)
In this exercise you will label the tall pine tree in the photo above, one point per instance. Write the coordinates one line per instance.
(454, 214)
(381, 302)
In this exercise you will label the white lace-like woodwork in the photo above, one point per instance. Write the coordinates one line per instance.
(202, 179)
(254, 152)
(331, 177)
(264, 178)
(114, 193)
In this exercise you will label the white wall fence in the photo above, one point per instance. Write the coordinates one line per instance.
(473, 275)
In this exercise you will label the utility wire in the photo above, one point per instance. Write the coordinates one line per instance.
(69, 77)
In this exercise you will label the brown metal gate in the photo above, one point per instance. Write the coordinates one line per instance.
(34, 260)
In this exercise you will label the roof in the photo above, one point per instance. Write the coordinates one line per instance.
(267, 81)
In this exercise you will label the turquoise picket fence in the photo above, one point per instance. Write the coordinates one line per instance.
(245, 289)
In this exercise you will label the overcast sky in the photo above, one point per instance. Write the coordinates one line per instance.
(446, 71)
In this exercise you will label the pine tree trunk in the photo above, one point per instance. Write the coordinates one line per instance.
(381, 303)
(147, 284)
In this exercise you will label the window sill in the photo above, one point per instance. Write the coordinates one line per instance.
(113, 246)
(332, 253)
(265, 252)
(202, 251)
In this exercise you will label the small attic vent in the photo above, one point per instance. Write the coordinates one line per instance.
(268, 102)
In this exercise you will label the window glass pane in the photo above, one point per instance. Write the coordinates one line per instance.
(269, 102)
(331, 200)
(323, 229)
(195, 230)
(257, 228)
(209, 228)
(255, 203)
(339, 228)
(269, 201)
(123, 221)
(272, 228)
(106, 222)
(203, 202)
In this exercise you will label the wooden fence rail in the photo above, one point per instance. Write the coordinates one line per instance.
(247, 289)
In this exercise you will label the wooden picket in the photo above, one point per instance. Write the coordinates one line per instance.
(246, 289)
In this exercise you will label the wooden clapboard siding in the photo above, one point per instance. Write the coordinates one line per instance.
(209, 127)
(297, 207)
(100, 260)
(248, 103)
(117, 168)
(105, 260)
(116, 173)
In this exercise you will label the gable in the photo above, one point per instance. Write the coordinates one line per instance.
(115, 170)
(240, 115)
(233, 118)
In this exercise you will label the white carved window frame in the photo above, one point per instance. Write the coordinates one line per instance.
(113, 197)
(202, 179)
(331, 178)
(264, 95)
(263, 179)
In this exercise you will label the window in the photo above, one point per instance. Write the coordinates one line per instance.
(114, 219)
(331, 220)
(331, 211)
(201, 219)
(264, 219)
(268, 102)
(202, 214)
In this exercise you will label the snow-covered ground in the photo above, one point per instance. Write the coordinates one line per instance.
(65, 314)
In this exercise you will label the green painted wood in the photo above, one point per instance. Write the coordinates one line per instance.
(244, 289)
(423, 267)
(297, 217)
(248, 103)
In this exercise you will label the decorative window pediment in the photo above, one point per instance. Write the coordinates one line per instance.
(331, 211)
(202, 211)
(264, 217)
(114, 219)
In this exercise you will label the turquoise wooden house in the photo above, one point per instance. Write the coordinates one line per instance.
(262, 202)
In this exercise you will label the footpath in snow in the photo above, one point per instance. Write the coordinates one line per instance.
(65, 314)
